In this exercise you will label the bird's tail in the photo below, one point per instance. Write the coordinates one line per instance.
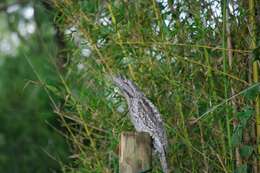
(164, 162)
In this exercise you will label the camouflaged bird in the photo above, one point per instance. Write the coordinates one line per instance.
(145, 116)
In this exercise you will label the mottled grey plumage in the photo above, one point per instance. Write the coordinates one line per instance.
(145, 116)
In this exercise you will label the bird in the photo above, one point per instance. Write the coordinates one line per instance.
(145, 116)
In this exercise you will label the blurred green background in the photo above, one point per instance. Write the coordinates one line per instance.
(28, 142)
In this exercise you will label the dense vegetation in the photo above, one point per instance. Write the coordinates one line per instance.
(193, 59)
(196, 60)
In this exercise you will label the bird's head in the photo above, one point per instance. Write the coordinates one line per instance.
(127, 87)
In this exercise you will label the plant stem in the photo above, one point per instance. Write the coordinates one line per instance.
(225, 63)
(252, 33)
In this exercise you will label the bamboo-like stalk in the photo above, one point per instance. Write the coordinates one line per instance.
(225, 67)
(202, 140)
(185, 131)
(212, 100)
(252, 31)
(230, 62)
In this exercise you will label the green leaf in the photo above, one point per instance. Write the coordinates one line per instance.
(252, 93)
(246, 151)
(256, 53)
(242, 169)
(244, 116)
(237, 136)
(52, 89)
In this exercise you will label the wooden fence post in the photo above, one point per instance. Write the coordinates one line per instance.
(135, 152)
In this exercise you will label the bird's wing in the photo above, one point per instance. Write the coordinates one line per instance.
(153, 119)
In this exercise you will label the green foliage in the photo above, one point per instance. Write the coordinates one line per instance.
(177, 53)
(242, 169)
(252, 93)
(246, 151)
(243, 118)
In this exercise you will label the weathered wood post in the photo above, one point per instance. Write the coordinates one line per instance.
(135, 152)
